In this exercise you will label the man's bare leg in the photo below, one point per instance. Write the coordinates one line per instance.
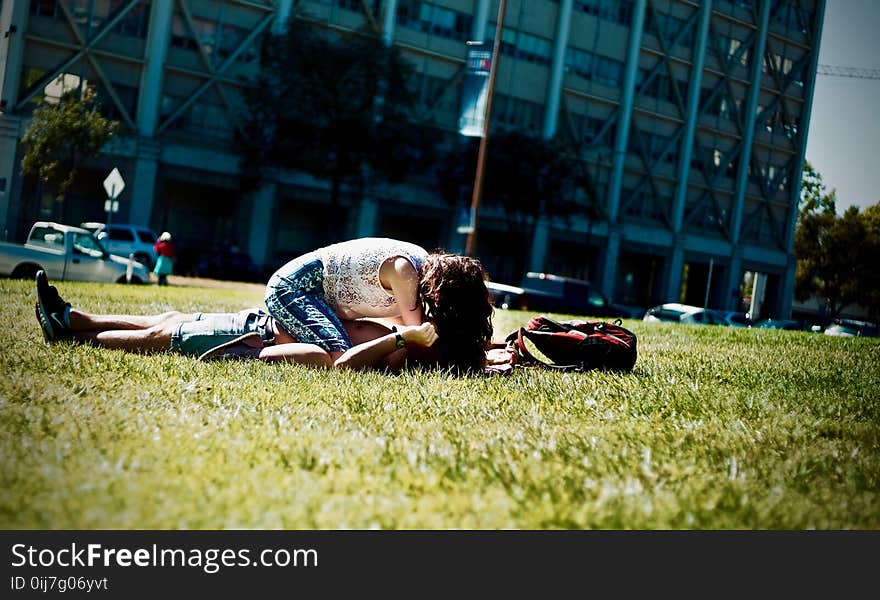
(81, 321)
(151, 339)
(299, 353)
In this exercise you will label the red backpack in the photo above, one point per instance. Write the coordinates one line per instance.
(576, 345)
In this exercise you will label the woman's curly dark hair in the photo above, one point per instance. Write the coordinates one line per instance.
(456, 300)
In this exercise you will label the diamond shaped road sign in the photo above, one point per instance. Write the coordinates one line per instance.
(114, 184)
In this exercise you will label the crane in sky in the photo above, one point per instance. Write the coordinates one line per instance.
(855, 72)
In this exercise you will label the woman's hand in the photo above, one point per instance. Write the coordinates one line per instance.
(418, 335)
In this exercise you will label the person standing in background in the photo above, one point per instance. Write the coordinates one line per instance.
(165, 251)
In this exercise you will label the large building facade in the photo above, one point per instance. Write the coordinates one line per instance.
(690, 119)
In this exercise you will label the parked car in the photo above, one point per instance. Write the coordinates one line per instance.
(505, 296)
(852, 328)
(67, 253)
(684, 313)
(123, 239)
(546, 292)
(735, 318)
(780, 324)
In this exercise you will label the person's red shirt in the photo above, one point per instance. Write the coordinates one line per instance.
(164, 248)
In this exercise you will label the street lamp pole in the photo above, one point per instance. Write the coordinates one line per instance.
(471, 244)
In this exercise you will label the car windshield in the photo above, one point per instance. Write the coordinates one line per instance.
(666, 314)
(48, 237)
(147, 237)
(119, 234)
(86, 243)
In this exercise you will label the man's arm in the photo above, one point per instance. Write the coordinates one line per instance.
(379, 353)
(383, 352)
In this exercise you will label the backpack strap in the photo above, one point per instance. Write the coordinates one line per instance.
(517, 338)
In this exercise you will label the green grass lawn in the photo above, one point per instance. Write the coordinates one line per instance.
(715, 428)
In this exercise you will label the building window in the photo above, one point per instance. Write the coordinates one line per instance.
(523, 46)
(656, 147)
(436, 20)
(594, 67)
(719, 105)
(45, 8)
(661, 86)
(735, 52)
(792, 19)
(619, 11)
(354, 5)
(91, 16)
(669, 27)
(128, 96)
(516, 112)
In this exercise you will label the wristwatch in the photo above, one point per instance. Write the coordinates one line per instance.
(398, 339)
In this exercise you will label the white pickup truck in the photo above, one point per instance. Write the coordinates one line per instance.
(67, 253)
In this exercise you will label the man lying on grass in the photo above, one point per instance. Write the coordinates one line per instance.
(250, 333)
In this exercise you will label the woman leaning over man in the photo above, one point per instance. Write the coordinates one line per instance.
(314, 294)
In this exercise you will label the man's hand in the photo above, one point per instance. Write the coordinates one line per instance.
(501, 356)
(419, 335)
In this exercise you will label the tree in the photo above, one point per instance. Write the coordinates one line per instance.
(832, 263)
(61, 135)
(334, 106)
(526, 177)
(869, 292)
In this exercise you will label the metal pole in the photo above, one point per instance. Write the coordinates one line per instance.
(471, 243)
(708, 283)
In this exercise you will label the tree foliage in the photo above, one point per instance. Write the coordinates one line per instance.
(62, 134)
(525, 176)
(837, 255)
(869, 295)
(331, 105)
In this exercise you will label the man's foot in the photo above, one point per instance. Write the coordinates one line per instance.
(47, 331)
(51, 310)
(245, 346)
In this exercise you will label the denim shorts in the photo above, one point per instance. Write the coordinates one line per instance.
(209, 330)
(295, 298)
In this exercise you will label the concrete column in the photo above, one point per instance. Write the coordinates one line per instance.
(625, 110)
(282, 14)
(481, 18)
(609, 264)
(674, 269)
(389, 19)
(785, 297)
(540, 242)
(803, 130)
(149, 100)
(143, 188)
(10, 131)
(557, 70)
(745, 155)
(367, 217)
(13, 15)
(693, 102)
(262, 218)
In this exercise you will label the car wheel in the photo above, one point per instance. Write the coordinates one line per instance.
(135, 280)
(26, 271)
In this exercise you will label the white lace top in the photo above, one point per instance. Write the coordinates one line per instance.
(351, 275)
